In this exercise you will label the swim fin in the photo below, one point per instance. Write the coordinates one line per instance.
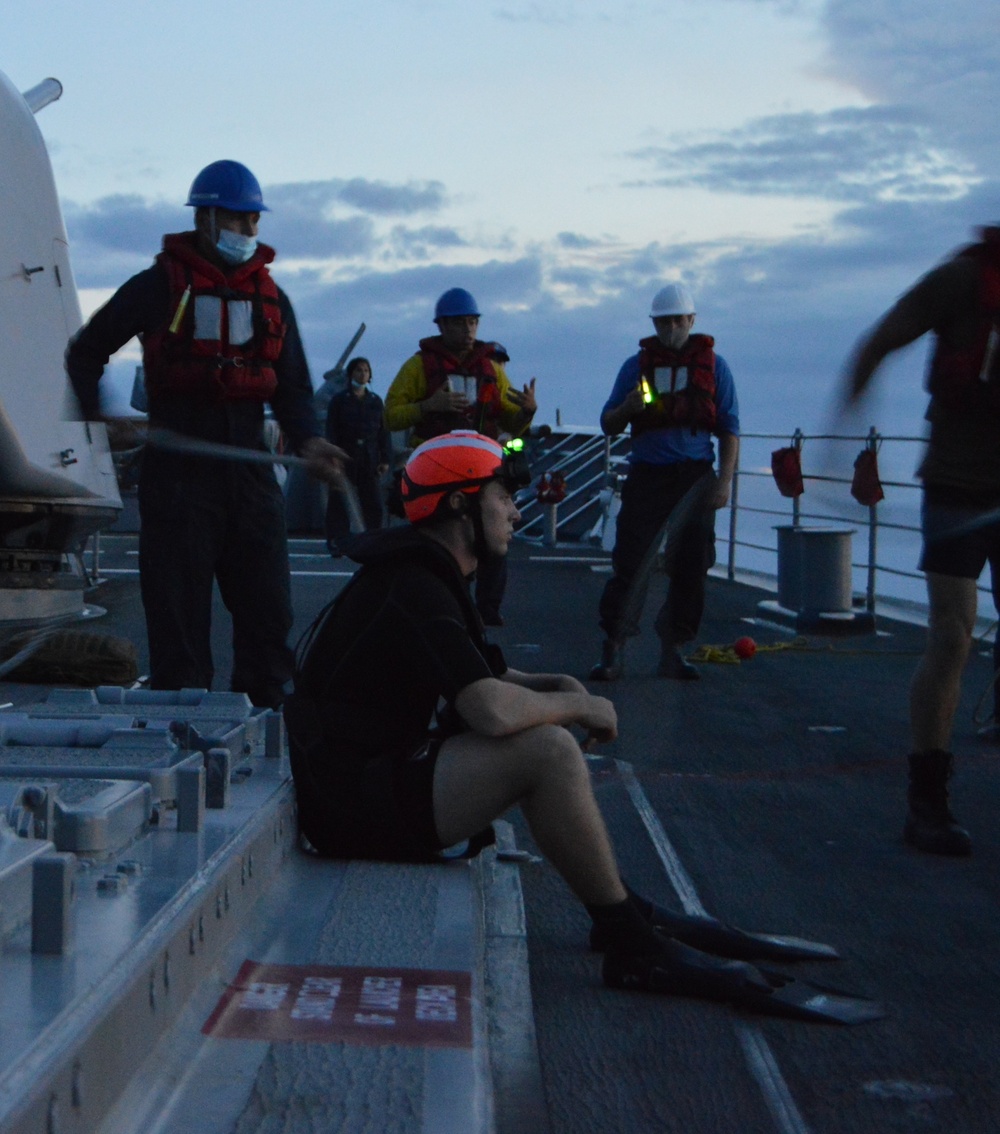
(678, 970)
(713, 936)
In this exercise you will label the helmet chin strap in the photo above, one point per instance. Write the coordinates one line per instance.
(478, 531)
(475, 514)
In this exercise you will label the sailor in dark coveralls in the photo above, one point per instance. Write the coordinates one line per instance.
(219, 342)
(355, 423)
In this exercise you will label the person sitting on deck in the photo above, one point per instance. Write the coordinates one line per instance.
(382, 772)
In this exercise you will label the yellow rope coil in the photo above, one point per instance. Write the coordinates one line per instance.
(726, 655)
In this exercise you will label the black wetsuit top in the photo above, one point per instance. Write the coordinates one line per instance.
(379, 678)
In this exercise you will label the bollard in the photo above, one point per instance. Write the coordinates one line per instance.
(52, 890)
(551, 524)
(218, 769)
(190, 799)
(274, 734)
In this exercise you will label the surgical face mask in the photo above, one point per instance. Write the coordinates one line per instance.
(676, 338)
(234, 247)
(673, 331)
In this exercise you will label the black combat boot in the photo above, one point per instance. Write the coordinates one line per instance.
(930, 825)
(612, 662)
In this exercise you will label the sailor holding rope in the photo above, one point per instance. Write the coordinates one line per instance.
(675, 394)
(219, 342)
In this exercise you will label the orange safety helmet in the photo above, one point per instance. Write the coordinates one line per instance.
(460, 461)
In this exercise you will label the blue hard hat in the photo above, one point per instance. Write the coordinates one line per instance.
(227, 185)
(455, 301)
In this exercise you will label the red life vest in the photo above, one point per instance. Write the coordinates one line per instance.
(483, 414)
(967, 378)
(203, 301)
(692, 404)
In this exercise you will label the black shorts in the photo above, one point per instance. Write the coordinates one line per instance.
(393, 811)
(961, 532)
(379, 809)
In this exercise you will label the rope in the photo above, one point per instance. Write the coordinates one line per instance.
(726, 655)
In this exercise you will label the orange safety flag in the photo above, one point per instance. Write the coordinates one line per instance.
(786, 468)
(866, 487)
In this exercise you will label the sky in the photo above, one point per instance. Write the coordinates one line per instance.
(798, 163)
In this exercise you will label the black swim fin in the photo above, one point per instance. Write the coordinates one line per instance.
(713, 936)
(678, 970)
(805, 1000)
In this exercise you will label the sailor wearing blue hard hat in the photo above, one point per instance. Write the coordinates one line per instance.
(457, 381)
(228, 201)
(219, 342)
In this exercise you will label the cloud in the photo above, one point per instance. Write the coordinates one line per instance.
(545, 12)
(403, 295)
(847, 154)
(576, 240)
(306, 234)
(943, 60)
(378, 198)
(393, 200)
(420, 243)
(124, 222)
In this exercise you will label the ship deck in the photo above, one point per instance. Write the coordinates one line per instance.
(769, 793)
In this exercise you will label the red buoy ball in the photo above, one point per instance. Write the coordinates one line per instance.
(744, 648)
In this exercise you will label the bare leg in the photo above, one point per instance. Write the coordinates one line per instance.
(477, 779)
(937, 683)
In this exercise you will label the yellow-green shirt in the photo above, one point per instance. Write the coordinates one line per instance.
(409, 388)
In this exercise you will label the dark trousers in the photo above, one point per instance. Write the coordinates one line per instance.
(649, 495)
(200, 521)
(369, 489)
(995, 587)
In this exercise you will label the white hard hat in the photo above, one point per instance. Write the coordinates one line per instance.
(674, 299)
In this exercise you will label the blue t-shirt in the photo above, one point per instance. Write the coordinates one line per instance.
(668, 446)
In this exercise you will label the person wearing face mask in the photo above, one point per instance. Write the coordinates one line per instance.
(675, 394)
(219, 344)
(355, 423)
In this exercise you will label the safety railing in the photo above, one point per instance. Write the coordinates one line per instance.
(840, 507)
(890, 529)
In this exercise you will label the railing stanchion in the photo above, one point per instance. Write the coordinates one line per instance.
(733, 505)
(797, 438)
(873, 444)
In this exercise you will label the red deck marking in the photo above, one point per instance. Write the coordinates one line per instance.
(337, 1004)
